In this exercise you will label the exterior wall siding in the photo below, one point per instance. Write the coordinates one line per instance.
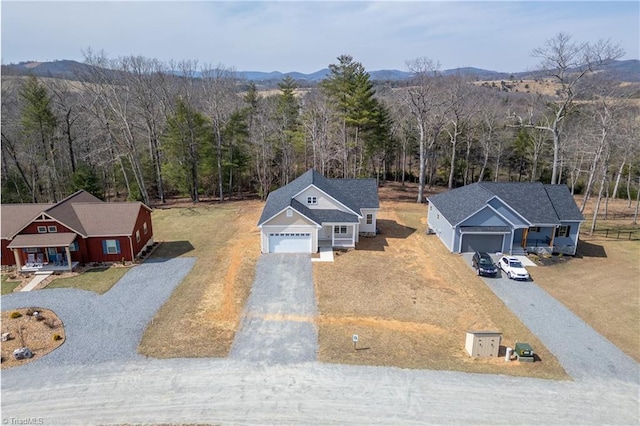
(32, 228)
(485, 217)
(364, 227)
(96, 253)
(144, 215)
(282, 220)
(439, 224)
(323, 201)
(7, 254)
(509, 214)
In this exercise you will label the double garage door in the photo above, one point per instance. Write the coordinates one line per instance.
(481, 242)
(290, 242)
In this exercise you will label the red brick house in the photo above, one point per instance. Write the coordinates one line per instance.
(79, 229)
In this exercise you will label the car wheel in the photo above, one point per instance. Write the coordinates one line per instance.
(478, 271)
(509, 275)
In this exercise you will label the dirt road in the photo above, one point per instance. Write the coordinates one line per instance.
(223, 391)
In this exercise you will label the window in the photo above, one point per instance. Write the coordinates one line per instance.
(110, 246)
(53, 228)
(144, 228)
(289, 213)
(42, 229)
(31, 250)
(563, 231)
(339, 229)
(138, 236)
(312, 200)
(438, 216)
(534, 229)
(369, 219)
(73, 246)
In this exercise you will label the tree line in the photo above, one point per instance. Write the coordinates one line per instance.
(146, 130)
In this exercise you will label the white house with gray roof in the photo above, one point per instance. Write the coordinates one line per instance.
(507, 217)
(313, 210)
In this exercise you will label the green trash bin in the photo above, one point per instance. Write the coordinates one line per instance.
(524, 352)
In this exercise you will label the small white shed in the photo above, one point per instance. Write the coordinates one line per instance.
(483, 343)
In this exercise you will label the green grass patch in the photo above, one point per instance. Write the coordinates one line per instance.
(7, 286)
(99, 280)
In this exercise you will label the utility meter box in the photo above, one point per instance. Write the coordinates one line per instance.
(524, 352)
(483, 343)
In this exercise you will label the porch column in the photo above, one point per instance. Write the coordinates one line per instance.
(68, 252)
(333, 235)
(16, 256)
(553, 235)
(353, 236)
(525, 234)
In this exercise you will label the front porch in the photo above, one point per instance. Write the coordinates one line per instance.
(338, 235)
(48, 267)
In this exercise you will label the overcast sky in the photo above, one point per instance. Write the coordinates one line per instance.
(307, 36)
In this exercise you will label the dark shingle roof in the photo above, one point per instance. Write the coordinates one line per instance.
(353, 193)
(537, 203)
(563, 202)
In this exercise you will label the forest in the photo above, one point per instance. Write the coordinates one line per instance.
(141, 129)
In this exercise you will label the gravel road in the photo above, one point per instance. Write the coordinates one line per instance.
(278, 321)
(225, 391)
(583, 352)
(107, 327)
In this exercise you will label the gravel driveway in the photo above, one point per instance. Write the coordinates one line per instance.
(106, 327)
(583, 352)
(278, 322)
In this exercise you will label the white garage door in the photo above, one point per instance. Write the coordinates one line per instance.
(476, 242)
(290, 242)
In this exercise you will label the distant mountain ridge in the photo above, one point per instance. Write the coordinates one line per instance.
(627, 70)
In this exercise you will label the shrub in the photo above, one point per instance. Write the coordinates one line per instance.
(31, 311)
(57, 337)
(51, 322)
(15, 315)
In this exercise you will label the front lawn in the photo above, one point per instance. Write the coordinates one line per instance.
(201, 316)
(99, 280)
(411, 303)
(8, 286)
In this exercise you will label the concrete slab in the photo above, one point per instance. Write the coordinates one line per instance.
(326, 255)
(40, 276)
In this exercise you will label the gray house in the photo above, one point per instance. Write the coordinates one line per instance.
(504, 217)
(313, 210)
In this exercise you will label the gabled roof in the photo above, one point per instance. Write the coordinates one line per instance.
(537, 203)
(355, 194)
(14, 217)
(81, 212)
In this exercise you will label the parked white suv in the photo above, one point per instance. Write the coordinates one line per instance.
(513, 268)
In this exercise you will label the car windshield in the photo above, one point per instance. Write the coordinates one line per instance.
(486, 262)
(515, 264)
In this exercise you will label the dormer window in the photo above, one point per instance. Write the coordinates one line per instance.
(52, 228)
(42, 229)
(312, 200)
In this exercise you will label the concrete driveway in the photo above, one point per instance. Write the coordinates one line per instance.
(278, 322)
(583, 352)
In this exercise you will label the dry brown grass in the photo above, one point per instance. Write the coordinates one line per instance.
(411, 303)
(602, 283)
(28, 332)
(201, 317)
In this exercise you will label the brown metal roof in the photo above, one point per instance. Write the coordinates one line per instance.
(54, 239)
(14, 217)
(64, 211)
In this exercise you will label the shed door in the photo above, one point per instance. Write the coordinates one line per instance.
(476, 242)
(290, 242)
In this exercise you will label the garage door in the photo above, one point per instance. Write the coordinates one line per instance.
(299, 242)
(475, 242)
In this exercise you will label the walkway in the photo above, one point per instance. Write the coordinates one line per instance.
(40, 276)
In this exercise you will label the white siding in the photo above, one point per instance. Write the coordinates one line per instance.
(363, 222)
(322, 200)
